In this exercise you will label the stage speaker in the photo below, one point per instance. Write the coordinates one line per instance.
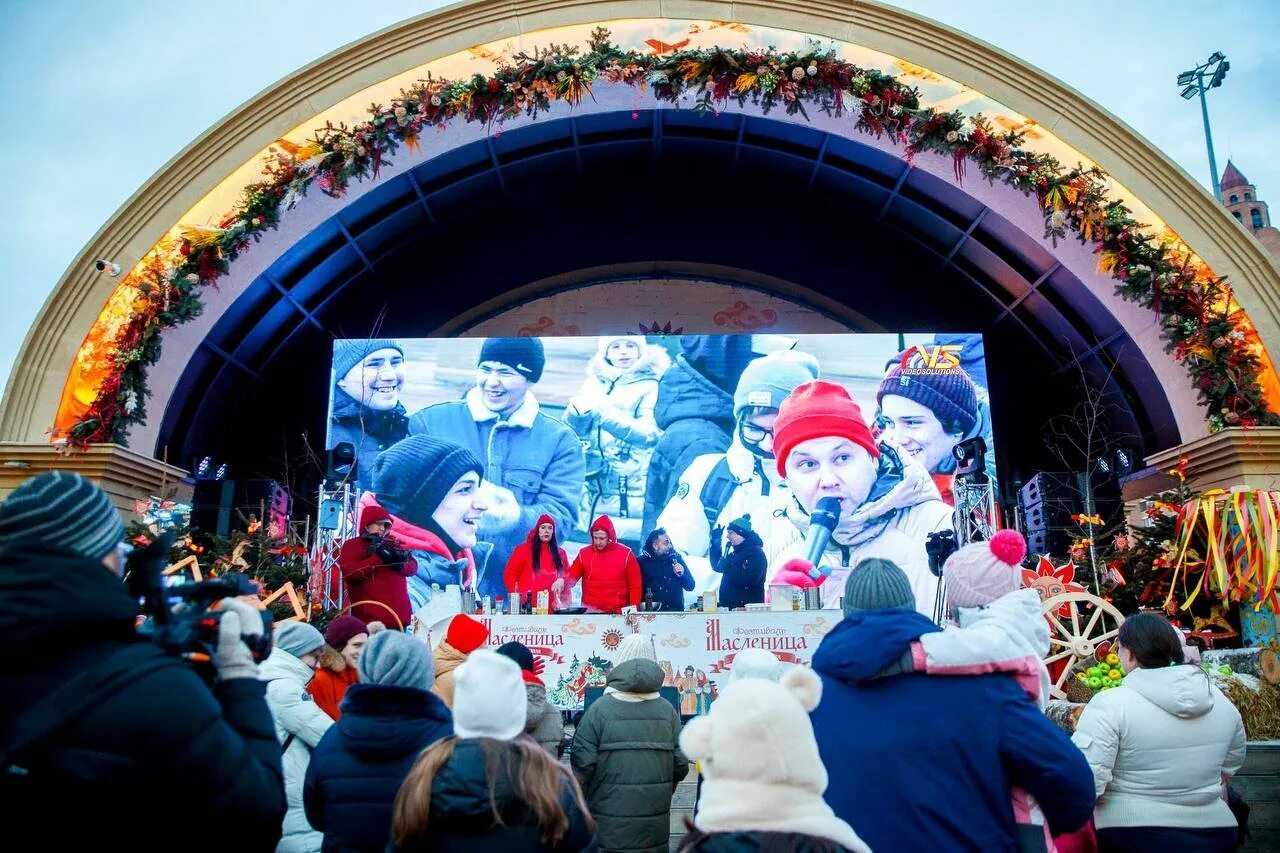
(1053, 541)
(1054, 486)
(212, 504)
(1051, 514)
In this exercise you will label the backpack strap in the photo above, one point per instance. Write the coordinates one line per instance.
(84, 690)
(717, 489)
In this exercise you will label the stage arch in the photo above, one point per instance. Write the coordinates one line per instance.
(977, 245)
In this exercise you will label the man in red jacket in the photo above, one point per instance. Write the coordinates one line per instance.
(372, 573)
(609, 571)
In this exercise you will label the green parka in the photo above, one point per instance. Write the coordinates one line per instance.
(627, 757)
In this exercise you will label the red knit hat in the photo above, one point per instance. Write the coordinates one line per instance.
(466, 634)
(819, 409)
(342, 629)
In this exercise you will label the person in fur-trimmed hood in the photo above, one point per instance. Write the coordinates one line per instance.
(344, 639)
(781, 769)
(613, 416)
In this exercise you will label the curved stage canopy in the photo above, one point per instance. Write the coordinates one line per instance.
(607, 198)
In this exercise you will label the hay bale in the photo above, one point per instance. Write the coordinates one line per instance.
(1258, 703)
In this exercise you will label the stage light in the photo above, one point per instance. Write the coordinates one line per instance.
(971, 460)
(222, 472)
(1124, 462)
(342, 461)
(1103, 465)
(107, 267)
(202, 469)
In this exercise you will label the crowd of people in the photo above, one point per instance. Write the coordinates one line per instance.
(902, 736)
(690, 445)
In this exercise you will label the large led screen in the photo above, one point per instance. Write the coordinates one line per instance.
(674, 432)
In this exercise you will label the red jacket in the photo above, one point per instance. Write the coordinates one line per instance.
(369, 579)
(520, 576)
(610, 578)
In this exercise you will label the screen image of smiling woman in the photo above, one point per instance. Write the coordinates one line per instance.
(928, 414)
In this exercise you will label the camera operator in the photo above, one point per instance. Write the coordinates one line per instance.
(375, 567)
(103, 736)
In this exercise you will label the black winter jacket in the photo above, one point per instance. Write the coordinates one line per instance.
(757, 842)
(628, 759)
(658, 578)
(462, 819)
(358, 766)
(154, 762)
(743, 569)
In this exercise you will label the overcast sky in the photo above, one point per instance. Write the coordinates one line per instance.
(97, 96)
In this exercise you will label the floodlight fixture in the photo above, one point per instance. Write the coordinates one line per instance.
(1208, 75)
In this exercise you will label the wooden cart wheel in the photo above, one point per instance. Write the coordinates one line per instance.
(385, 607)
(1075, 635)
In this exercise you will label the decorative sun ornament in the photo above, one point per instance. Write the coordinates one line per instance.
(1050, 580)
(611, 639)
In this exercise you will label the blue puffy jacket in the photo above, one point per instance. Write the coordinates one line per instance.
(358, 766)
(920, 762)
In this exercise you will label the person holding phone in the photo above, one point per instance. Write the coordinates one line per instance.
(888, 502)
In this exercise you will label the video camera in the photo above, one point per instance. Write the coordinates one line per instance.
(180, 618)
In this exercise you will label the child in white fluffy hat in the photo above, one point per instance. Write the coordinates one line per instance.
(763, 775)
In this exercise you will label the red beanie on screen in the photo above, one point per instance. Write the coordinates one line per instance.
(466, 634)
(819, 409)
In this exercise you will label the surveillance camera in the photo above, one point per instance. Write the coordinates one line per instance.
(107, 267)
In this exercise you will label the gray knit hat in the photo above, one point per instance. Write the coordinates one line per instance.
(877, 584)
(347, 354)
(61, 510)
(297, 638)
(767, 381)
(394, 659)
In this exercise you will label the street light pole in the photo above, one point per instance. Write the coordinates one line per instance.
(1208, 136)
(1193, 83)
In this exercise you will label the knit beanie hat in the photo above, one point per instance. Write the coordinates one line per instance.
(877, 584)
(466, 634)
(602, 348)
(755, 663)
(297, 638)
(819, 409)
(519, 653)
(413, 475)
(949, 394)
(635, 646)
(523, 355)
(61, 510)
(767, 381)
(760, 763)
(981, 572)
(396, 660)
(347, 354)
(488, 697)
(342, 629)
(742, 525)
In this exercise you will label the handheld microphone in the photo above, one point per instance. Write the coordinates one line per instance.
(822, 521)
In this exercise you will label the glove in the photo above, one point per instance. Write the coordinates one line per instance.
(798, 572)
(232, 657)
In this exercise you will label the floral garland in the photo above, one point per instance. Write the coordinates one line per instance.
(1202, 325)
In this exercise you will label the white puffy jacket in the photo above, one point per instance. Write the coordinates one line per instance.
(296, 714)
(1160, 745)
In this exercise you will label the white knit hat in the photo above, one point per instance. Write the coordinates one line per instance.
(755, 663)
(782, 767)
(635, 646)
(488, 697)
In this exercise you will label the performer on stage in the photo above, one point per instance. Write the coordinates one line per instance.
(534, 462)
(374, 566)
(537, 564)
(888, 503)
(367, 412)
(609, 572)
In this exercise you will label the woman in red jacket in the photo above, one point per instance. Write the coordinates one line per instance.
(609, 571)
(538, 563)
(369, 577)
